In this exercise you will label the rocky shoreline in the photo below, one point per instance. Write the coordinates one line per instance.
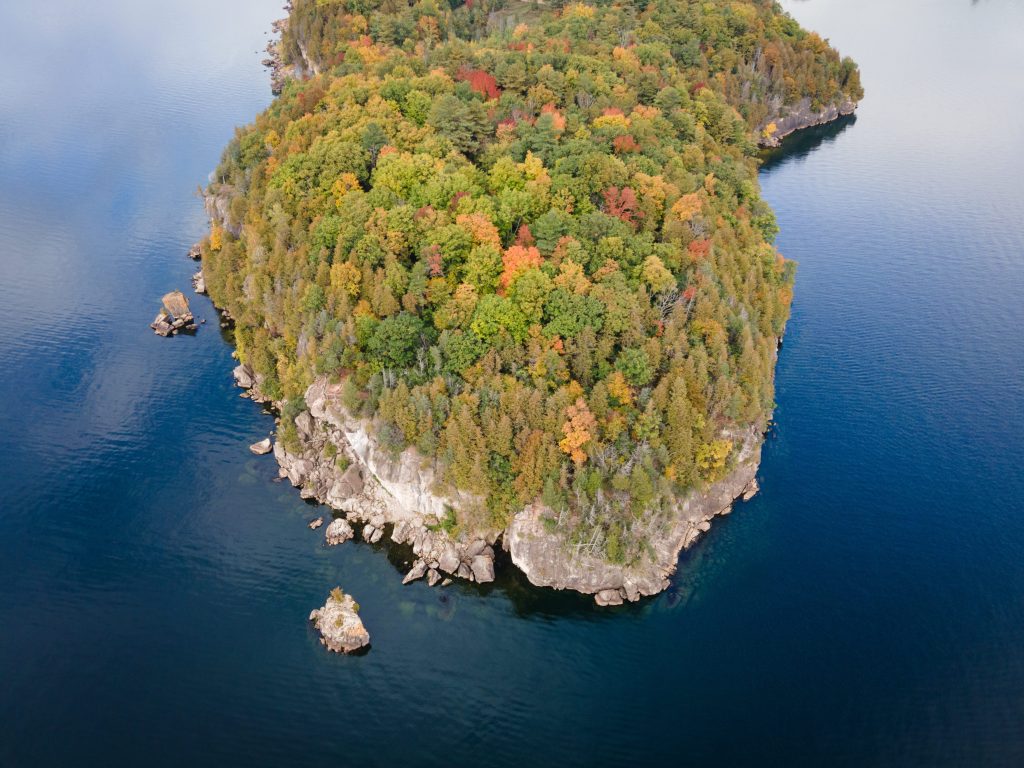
(280, 72)
(802, 117)
(340, 464)
(547, 560)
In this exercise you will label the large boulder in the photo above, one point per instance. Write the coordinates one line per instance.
(608, 597)
(341, 629)
(244, 376)
(449, 560)
(417, 571)
(483, 568)
(261, 448)
(338, 532)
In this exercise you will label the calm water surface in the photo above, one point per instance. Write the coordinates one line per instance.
(867, 608)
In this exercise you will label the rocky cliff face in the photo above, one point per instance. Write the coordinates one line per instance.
(802, 116)
(280, 70)
(218, 207)
(341, 464)
(548, 560)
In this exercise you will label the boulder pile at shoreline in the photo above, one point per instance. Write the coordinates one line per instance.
(174, 316)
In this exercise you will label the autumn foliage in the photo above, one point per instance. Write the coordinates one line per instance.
(625, 144)
(481, 82)
(622, 204)
(578, 430)
(516, 260)
(523, 243)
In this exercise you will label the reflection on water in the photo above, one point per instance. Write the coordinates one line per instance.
(798, 145)
(155, 581)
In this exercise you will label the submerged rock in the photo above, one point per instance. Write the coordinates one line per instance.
(261, 448)
(341, 629)
(338, 532)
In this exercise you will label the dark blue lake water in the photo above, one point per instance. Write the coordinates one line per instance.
(866, 608)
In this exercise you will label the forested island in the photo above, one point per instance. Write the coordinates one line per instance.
(504, 269)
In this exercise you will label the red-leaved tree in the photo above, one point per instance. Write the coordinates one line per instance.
(621, 203)
(524, 237)
(481, 82)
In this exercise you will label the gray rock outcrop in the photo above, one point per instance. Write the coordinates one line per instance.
(250, 381)
(340, 463)
(341, 629)
(548, 560)
(174, 316)
(338, 532)
(802, 116)
(280, 72)
(378, 488)
(244, 377)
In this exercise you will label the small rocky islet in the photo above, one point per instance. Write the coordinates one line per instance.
(174, 316)
(341, 629)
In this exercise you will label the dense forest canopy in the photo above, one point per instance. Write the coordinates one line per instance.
(753, 54)
(528, 238)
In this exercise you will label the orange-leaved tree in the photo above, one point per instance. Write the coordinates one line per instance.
(578, 429)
